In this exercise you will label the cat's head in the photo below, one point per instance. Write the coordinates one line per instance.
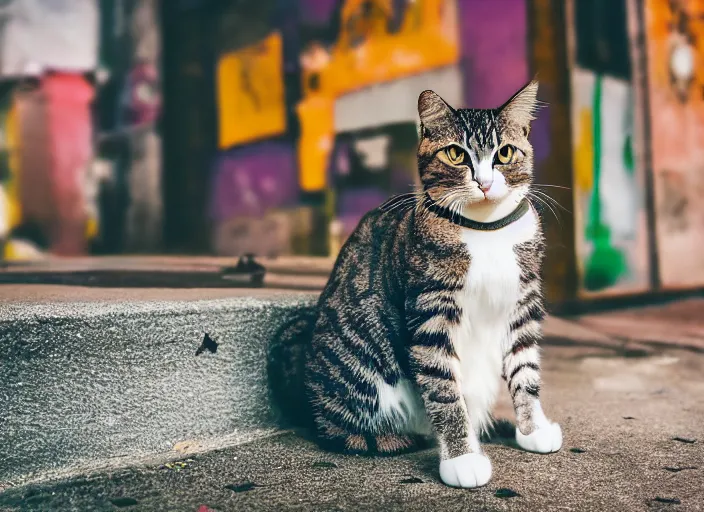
(471, 157)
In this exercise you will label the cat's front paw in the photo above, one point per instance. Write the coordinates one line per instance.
(467, 471)
(545, 439)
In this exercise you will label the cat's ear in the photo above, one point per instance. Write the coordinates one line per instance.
(520, 110)
(433, 111)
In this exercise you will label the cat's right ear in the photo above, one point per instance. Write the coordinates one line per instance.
(433, 111)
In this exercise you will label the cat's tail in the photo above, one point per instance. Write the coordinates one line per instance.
(286, 368)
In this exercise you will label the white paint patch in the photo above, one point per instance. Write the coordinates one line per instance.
(396, 101)
(487, 301)
(374, 151)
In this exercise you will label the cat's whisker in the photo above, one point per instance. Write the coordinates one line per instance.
(542, 201)
(552, 186)
(408, 199)
(403, 203)
(551, 199)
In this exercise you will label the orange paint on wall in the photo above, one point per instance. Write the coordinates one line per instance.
(677, 137)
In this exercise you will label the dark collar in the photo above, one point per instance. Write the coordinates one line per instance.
(463, 221)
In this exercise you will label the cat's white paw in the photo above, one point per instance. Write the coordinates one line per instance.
(547, 438)
(467, 471)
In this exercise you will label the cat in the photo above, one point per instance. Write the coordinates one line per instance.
(432, 300)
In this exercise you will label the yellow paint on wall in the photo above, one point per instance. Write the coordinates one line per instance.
(315, 142)
(584, 153)
(14, 212)
(251, 100)
(366, 53)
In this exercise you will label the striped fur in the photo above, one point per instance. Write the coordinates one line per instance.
(421, 318)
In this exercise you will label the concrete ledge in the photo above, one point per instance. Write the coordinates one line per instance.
(90, 375)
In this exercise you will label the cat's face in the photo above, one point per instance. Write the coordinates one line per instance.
(476, 157)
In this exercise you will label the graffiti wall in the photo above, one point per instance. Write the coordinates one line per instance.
(609, 181)
(353, 124)
(675, 30)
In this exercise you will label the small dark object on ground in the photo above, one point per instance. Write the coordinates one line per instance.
(505, 492)
(243, 487)
(324, 464)
(669, 501)
(124, 502)
(246, 271)
(411, 480)
(684, 440)
(577, 450)
(677, 470)
(628, 418)
(207, 344)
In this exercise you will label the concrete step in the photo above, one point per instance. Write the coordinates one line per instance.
(93, 377)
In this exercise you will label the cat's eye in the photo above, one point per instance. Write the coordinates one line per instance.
(455, 155)
(506, 155)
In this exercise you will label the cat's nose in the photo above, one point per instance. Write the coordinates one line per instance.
(484, 186)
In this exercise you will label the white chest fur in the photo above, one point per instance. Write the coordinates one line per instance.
(487, 301)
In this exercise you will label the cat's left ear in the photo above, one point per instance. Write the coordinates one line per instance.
(520, 110)
(435, 114)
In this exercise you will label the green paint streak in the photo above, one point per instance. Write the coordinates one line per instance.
(595, 216)
(606, 264)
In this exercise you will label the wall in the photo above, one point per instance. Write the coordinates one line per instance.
(608, 180)
(675, 48)
(359, 68)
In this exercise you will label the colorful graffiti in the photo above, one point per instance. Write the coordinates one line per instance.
(609, 216)
(251, 93)
(355, 115)
(675, 30)
(367, 53)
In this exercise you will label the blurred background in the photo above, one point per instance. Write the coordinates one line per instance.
(206, 127)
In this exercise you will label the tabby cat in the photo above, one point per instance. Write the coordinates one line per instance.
(433, 299)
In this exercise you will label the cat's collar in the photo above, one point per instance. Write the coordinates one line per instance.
(463, 221)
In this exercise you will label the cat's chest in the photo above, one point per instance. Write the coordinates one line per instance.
(492, 283)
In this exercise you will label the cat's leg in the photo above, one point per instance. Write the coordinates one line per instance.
(343, 393)
(534, 432)
(435, 366)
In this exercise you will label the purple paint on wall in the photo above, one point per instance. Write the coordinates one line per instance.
(354, 204)
(540, 135)
(317, 11)
(494, 37)
(253, 179)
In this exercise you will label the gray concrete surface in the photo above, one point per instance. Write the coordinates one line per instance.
(633, 435)
(95, 377)
(106, 376)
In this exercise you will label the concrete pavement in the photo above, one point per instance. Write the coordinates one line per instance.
(99, 388)
(633, 441)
